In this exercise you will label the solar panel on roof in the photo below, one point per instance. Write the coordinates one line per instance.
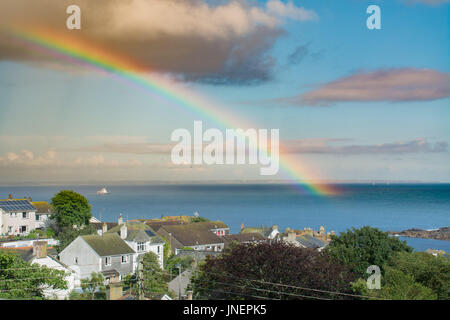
(16, 205)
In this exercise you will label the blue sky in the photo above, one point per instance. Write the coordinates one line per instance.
(55, 121)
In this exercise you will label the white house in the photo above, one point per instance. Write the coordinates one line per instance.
(17, 217)
(41, 258)
(43, 213)
(140, 238)
(108, 254)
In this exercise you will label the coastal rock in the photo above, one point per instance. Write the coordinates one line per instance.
(439, 234)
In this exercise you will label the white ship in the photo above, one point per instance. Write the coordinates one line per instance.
(102, 192)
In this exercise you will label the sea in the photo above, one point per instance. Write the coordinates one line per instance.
(393, 207)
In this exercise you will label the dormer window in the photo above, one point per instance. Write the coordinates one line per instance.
(141, 246)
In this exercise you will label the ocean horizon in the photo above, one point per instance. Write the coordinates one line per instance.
(389, 207)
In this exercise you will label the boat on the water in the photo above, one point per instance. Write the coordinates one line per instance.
(102, 192)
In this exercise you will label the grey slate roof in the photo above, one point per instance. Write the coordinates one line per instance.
(137, 232)
(192, 234)
(109, 244)
(309, 241)
(16, 205)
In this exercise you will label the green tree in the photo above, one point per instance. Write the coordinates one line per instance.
(174, 261)
(94, 284)
(68, 234)
(361, 248)
(270, 270)
(152, 276)
(426, 269)
(21, 280)
(71, 209)
(167, 253)
(396, 285)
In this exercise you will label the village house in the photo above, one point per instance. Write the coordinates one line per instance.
(198, 236)
(140, 237)
(108, 254)
(17, 217)
(41, 254)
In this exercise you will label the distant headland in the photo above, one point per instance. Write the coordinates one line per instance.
(438, 234)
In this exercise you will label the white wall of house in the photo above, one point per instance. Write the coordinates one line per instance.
(17, 223)
(42, 220)
(69, 278)
(143, 248)
(80, 257)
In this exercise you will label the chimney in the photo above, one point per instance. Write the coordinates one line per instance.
(40, 249)
(274, 227)
(189, 295)
(292, 236)
(120, 221)
(242, 226)
(123, 231)
(104, 227)
(10, 196)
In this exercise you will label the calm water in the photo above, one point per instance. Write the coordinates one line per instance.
(388, 207)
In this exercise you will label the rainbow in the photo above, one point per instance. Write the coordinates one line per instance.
(124, 69)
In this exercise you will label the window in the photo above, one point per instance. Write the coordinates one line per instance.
(37, 217)
(76, 260)
(22, 229)
(9, 229)
(107, 261)
(141, 246)
(25, 215)
(124, 259)
(159, 248)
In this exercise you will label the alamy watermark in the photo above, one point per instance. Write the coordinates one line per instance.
(374, 280)
(237, 146)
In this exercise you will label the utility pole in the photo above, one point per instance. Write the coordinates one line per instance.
(140, 278)
(179, 281)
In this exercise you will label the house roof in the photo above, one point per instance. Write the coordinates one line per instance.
(108, 244)
(25, 253)
(156, 225)
(192, 234)
(42, 207)
(244, 237)
(16, 205)
(181, 282)
(264, 231)
(99, 225)
(309, 241)
(137, 232)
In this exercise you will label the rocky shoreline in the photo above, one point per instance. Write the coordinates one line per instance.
(439, 234)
